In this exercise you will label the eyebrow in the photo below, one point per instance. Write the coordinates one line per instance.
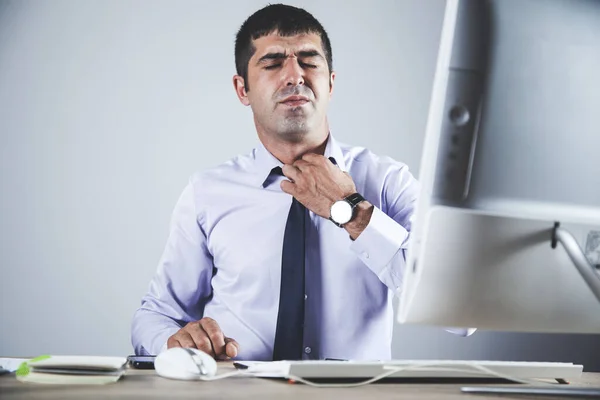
(280, 55)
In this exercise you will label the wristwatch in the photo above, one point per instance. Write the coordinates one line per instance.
(342, 211)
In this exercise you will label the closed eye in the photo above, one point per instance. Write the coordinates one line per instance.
(305, 65)
(302, 64)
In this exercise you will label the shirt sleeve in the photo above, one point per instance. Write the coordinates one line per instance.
(383, 244)
(180, 287)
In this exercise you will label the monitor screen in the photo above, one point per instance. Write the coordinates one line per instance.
(512, 147)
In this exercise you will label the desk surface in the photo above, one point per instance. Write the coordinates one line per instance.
(147, 385)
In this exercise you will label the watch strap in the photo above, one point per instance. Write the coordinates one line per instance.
(354, 199)
(338, 225)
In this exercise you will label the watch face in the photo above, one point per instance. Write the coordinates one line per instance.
(341, 212)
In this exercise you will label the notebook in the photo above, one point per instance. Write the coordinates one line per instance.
(72, 370)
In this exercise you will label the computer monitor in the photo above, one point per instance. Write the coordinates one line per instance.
(512, 148)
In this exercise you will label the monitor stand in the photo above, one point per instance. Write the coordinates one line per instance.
(588, 271)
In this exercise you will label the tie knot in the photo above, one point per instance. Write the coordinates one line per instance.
(277, 171)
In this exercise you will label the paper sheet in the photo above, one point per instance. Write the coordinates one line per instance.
(11, 364)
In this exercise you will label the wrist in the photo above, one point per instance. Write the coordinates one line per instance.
(362, 217)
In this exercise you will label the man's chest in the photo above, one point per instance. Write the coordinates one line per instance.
(245, 237)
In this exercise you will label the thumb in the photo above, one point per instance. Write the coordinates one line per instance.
(231, 347)
(287, 187)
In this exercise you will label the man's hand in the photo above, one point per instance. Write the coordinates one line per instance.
(205, 335)
(317, 183)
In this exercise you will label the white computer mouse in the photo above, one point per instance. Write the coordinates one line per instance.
(184, 363)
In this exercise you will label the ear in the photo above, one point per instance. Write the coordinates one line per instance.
(240, 89)
(331, 79)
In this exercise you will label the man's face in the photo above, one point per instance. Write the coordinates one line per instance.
(289, 85)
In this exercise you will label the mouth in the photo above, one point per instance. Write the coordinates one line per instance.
(295, 101)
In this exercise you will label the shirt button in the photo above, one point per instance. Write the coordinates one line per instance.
(366, 255)
(307, 350)
(305, 296)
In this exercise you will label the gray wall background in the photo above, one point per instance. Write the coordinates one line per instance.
(107, 107)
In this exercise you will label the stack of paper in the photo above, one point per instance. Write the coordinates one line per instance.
(11, 364)
(78, 370)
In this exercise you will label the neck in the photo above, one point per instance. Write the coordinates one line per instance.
(289, 151)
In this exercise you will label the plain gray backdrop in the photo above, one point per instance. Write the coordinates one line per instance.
(106, 109)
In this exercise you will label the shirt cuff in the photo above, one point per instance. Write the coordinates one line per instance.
(377, 245)
(159, 344)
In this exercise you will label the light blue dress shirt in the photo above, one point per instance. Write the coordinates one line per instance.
(223, 260)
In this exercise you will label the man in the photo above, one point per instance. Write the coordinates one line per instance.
(248, 272)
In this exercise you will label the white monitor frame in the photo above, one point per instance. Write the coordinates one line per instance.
(481, 258)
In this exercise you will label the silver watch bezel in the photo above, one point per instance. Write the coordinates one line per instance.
(336, 205)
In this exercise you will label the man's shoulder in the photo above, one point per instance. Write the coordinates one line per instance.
(363, 157)
(235, 168)
(384, 181)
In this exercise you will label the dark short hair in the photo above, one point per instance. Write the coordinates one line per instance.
(287, 21)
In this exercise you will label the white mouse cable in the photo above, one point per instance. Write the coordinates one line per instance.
(225, 375)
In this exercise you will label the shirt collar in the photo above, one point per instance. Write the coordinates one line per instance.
(265, 161)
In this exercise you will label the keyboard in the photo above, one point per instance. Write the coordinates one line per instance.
(457, 369)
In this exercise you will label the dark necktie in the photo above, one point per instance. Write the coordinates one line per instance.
(290, 318)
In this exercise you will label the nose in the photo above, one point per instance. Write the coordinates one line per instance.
(294, 74)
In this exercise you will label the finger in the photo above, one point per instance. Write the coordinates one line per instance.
(301, 164)
(232, 347)
(290, 171)
(213, 330)
(185, 340)
(313, 157)
(200, 338)
(173, 342)
(288, 187)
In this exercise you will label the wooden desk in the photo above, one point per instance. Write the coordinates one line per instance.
(140, 384)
